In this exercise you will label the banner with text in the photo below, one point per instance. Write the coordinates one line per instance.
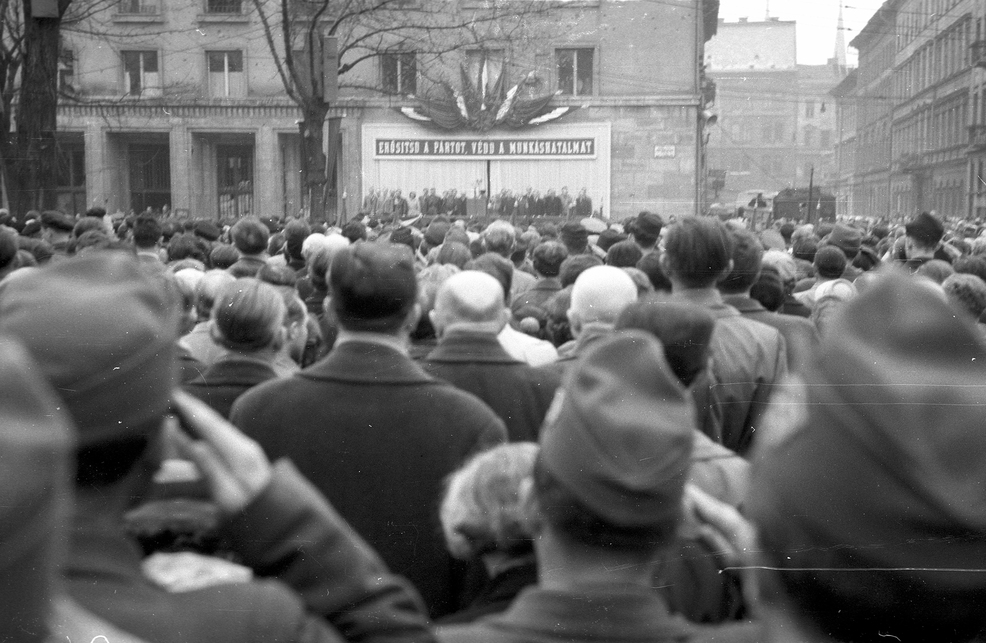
(475, 148)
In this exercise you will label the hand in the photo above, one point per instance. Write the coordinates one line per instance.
(235, 467)
(722, 527)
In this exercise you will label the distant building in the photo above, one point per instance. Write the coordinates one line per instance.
(180, 105)
(776, 121)
(912, 122)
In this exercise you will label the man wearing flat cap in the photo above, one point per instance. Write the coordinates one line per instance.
(867, 495)
(922, 238)
(103, 332)
(606, 500)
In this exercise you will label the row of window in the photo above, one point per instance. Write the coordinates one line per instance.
(398, 72)
(573, 70)
(153, 7)
(932, 129)
(945, 55)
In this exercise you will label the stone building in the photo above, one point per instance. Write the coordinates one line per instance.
(776, 122)
(180, 105)
(917, 112)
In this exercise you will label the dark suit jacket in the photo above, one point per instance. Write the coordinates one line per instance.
(518, 393)
(800, 335)
(229, 378)
(377, 435)
(339, 589)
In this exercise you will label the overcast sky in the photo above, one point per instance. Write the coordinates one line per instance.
(817, 20)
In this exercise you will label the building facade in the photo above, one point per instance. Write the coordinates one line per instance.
(917, 106)
(180, 105)
(776, 122)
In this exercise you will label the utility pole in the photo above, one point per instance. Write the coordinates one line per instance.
(811, 188)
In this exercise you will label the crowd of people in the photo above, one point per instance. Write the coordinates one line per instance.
(460, 430)
(390, 203)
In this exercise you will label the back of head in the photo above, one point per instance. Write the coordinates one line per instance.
(936, 270)
(893, 403)
(223, 256)
(784, 264)
(248, 316)
(146, 231)
(805, 248)
(575, 265)
(591, 484)
(548, 257)
(373, 287)
(354, 231)
(208, 289)
(278, 275)
(455, 253)
(295, 233)
(747, 258)
(101, 330)
(323, 250)
(482, 511)
(769, 289)
(600, 294)
(646, 229)
(925, 230)
(650, 265)
(575, 237)
(499, 238)
(830, 262)
(495, 266)
(250, 236)
(470, 300)
(624, 254)
(684, 331)
(697, 251)
(967, 293)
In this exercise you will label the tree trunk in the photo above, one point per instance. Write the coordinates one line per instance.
(313, 160)
(35, 178)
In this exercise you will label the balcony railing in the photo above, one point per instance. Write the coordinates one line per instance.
(978, 53)
(977, 135)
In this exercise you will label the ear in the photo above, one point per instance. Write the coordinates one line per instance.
(574, 323)
(413, 317)
(436, 322)
(530, 509)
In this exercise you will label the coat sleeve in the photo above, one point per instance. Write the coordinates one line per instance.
(292, 533)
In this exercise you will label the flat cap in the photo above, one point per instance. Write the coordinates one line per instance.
(207, 230)
(618, 436)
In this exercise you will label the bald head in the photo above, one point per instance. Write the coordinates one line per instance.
(599, 295)
(470, 300)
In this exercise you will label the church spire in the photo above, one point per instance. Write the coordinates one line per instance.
(840, 45)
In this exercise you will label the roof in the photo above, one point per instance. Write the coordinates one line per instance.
(881, 24)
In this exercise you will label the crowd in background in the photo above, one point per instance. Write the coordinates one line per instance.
(505, 203)
(456, 429)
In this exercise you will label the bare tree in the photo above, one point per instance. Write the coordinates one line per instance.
(301, 33)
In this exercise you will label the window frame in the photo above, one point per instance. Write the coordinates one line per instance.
(145, 90)
(208, 7)
(227, 85)
(400, 59)
(576, 51)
